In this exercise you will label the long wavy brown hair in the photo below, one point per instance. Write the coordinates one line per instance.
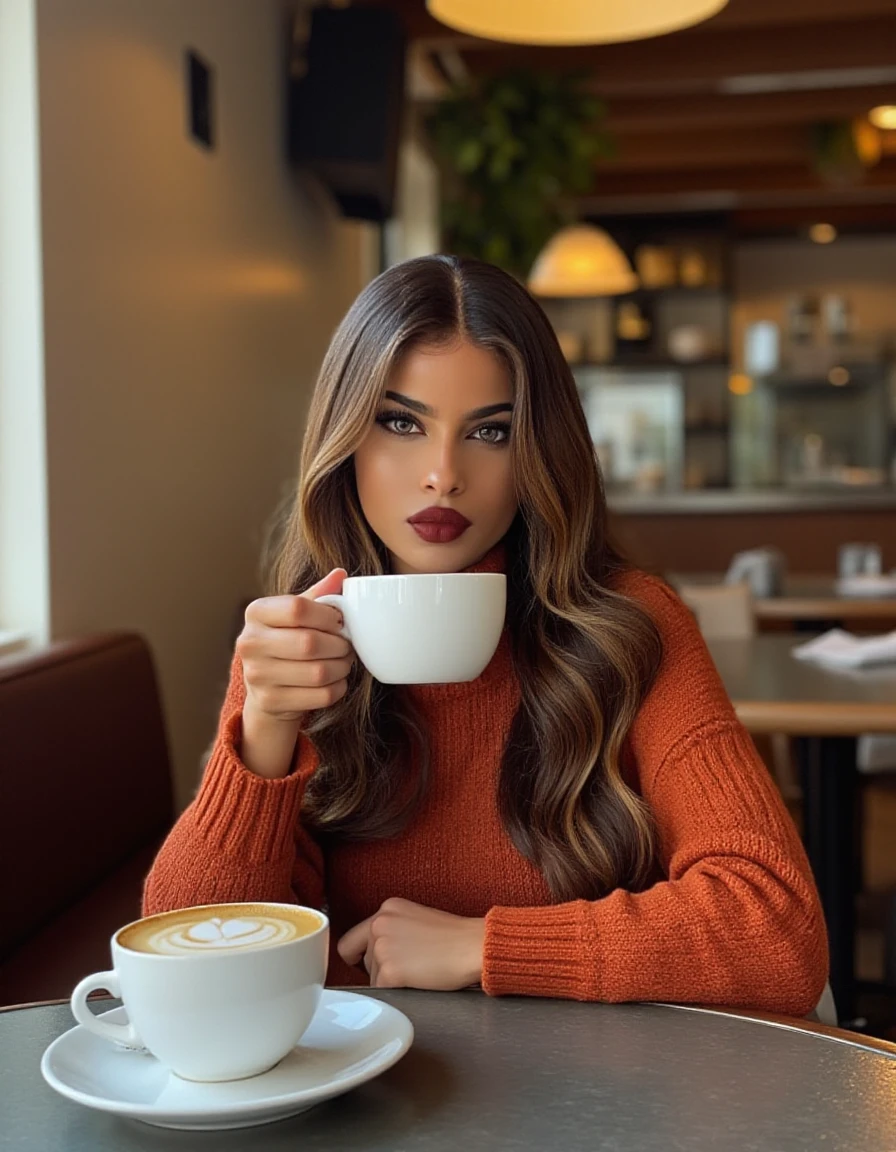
(584, 655)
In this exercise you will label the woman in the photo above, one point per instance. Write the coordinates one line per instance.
(588, 818)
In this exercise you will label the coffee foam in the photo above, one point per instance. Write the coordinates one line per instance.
(218, 928)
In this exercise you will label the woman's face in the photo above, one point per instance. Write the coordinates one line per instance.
(440, 442)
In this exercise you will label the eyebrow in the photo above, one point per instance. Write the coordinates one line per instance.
(425, 410)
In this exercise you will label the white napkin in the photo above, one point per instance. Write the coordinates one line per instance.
(843, 650)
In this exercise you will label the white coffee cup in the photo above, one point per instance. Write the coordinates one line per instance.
(217, 992)
(429, 628)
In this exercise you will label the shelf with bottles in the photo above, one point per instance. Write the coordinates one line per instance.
(708, 428)
(675, 253)
(679, 312)
(674, 329)
(810, 430)
(683, 349)
(678, 316)
(662, 364)
(688, 291)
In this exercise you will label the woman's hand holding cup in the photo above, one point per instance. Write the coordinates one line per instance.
(295, 660)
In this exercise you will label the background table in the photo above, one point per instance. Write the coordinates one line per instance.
(773, 691)
(806, 600)
(517, 1074)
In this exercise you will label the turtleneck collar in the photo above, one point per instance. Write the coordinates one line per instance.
(495, 560)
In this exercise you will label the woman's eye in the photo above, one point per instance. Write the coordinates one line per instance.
(493, 433)
(398, 425)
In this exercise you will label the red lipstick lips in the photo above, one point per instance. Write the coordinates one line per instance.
(439, 525)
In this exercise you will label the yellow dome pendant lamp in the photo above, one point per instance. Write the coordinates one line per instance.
(581, 260)
(569, 22)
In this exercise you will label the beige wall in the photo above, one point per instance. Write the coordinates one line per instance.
(768, 274)
(189, 297)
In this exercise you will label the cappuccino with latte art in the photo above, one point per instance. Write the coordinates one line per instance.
(223, 928)
(217, 992)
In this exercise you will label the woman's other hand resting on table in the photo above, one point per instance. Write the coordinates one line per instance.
(406, 945)
(294, 661)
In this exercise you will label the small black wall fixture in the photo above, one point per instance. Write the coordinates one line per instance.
(200, 100)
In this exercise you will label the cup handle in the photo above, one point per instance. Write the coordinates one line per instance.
(117, 1033)
(336, 600)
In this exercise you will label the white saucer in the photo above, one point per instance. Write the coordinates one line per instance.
(352, 1038)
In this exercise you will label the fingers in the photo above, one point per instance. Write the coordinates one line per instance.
(293, 656)
(293, 612)
(293, 643)
(291, 703)
(371, 965)
(301, 611)
(284, 687)
(366, 942)
(332, 582)
(354, 944)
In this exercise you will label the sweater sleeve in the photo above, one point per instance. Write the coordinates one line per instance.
(736, 920)
(241, 838)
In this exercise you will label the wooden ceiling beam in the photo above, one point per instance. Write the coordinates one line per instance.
(697, 61)
(784, 177)
(713, 110)
(710, 148)
(774, 13)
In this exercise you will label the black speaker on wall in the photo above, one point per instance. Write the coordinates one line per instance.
(345, 112)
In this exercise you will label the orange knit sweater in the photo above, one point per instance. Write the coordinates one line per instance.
(734, 920)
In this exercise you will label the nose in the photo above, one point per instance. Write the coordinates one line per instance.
(442, 472)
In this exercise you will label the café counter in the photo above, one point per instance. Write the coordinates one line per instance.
(701, 530)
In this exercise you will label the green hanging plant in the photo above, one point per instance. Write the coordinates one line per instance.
(514, 150)
(843, 149)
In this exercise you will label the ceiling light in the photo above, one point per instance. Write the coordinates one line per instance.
(866, 139)
(739, 384)
(883, 116)
(822, 233)
(582, 261)
(566, 22)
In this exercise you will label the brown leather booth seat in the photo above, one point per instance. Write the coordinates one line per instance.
(86, 790)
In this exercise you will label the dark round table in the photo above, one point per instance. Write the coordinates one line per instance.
(522, 1074)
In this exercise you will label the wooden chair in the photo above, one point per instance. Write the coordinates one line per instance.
(723, 611)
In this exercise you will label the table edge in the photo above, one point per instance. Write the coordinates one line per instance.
(807, 718)
(769, 1019)
(824, 608)
(793, 1024)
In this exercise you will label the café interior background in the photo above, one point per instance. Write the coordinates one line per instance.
(164, 306)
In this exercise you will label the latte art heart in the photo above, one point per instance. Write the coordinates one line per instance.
(226, 933)
(218, 929)
(214, 934)
(217, 933)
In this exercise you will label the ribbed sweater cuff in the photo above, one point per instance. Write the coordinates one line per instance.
(246, 815)
(534, 951)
